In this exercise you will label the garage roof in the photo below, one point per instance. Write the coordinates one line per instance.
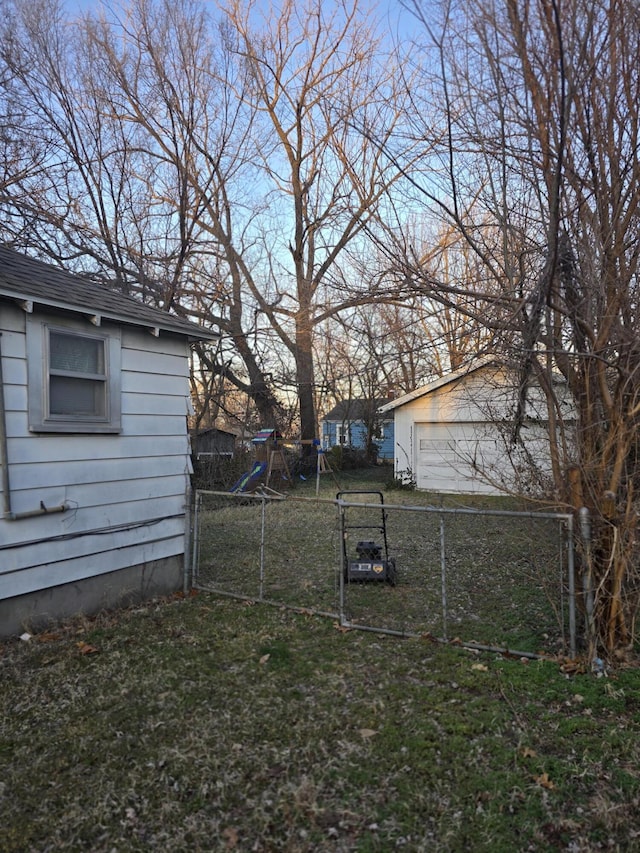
(454, 376)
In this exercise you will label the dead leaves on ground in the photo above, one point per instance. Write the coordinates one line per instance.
(367, 733)
(527, 752)
(86, 648)
(231, 837)
(544, 781)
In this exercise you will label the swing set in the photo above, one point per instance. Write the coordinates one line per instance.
(271, 463)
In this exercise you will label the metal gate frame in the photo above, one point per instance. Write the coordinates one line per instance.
(562, 518)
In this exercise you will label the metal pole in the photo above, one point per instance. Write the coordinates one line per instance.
(188, 533)
(195, 551)
(443, 577)
(263, 514)
(561, 585)
(343, 563)
(572, 587)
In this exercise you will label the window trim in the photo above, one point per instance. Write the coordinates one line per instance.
(343, 436)
(40, 419)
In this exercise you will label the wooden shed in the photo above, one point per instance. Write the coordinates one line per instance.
(94, 448)
(212, 442)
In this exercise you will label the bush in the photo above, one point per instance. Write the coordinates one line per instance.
(219, 473)
(343, 457)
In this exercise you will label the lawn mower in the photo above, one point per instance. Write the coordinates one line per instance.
(371, 561)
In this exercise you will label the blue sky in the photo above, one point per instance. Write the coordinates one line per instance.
(388, 9)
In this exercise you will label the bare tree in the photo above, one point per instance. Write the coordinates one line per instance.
(213, 167)
(130, 104)
(312, 69)
(542, 169)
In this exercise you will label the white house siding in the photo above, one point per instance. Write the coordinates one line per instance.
(450, 440)
(125, 493)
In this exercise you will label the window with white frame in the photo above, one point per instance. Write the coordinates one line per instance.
(74, 378)
(342, 433)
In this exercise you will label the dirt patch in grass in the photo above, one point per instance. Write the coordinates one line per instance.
(205, 724)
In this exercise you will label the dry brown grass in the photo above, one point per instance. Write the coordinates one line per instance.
(205, 724)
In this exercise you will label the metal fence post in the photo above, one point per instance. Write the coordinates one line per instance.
(343, 566)
(572, 587)
(263, 518)
(443, 577)
(195, 550)
(188, 542)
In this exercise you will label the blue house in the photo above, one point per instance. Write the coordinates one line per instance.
(356, 423)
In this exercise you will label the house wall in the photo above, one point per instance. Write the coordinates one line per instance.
(330, 434)
(37, 610)
(125, 493)
(449, 440)
(358, 435)
(385, 444)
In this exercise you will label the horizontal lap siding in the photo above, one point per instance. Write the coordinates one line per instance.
(63, 544)
(131, 479)
(89, 504)
(92, 561)
(385, 446)
(37, 475)
(57, 449)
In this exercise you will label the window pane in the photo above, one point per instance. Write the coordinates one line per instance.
(76, 353)
(78, 397)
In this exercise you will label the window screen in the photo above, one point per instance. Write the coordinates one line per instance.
(77, 377)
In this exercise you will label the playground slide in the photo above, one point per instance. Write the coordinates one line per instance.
(249, 478)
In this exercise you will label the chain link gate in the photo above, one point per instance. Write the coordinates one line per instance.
(492, 579)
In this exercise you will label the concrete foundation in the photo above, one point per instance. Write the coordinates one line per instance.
(39, 610)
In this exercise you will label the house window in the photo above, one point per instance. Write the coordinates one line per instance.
(77, 376)
(74, 379)
(342, 434)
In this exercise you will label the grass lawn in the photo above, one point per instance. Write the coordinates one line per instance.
(207, 724)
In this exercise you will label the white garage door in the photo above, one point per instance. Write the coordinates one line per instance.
(451, 457)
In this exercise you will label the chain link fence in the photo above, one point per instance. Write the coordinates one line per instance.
(483, 577)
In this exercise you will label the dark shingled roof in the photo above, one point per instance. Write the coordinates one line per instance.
(25, 279)
(355, 410)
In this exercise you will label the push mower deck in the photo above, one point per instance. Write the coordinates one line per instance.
(372, 561)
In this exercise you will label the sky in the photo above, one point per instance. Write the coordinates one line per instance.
(389, 10)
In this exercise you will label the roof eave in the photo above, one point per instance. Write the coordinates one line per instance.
(28, 302)
(440, 382)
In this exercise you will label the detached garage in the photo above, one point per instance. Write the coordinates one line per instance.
(452, 435)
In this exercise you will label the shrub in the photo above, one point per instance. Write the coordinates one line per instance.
(343, 457)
